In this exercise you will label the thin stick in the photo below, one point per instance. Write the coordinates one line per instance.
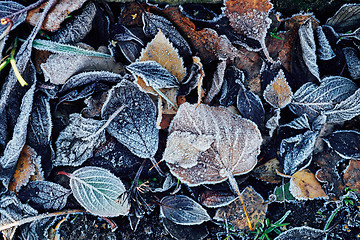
(156, 165)
(38, 217)
(235, 187)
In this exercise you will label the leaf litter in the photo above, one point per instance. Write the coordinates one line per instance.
(97, 118)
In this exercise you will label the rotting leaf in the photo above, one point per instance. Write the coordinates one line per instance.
(278, 93)
(346, 18)
(351, 175)
(181, 232)
(304, 186)
(297, 151)
(182, 210)
(267, 171)
(353, 62)
(250, 106)
(313, 100)
(250, 18)
(216, 199)
(135, 126)
(45, 195)
(25, 168)
(56, 16)
(301, 233)
(346, 143)
(234, 213)
(308, 46)
(97, 190)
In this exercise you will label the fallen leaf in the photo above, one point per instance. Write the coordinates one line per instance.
(234, 213)
(182, 210)
(7, 8)
(346, 143)
(304, 186)
(301, 233)
(231, 87)
(216, 199)
(353, 62)
(351, 175)
(282, 193)
(181, 232)
(346, 18)
(301, 122)
(273, 123)
(217, 82)
(267, 171)
(325, 51)
(56, 16)
(278, 93)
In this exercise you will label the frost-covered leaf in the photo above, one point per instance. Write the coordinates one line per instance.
(351, 175)
(8, 8)
(301, 233)
(216, 199)
(44, 195)
(56, 16)
(66, 49)
(345, 110)
(268, 172)
(346, 18)
(221, 143)
(234, 213)
(152, 24)
(153, 74)
(231, 87)
(353, 62)
(250, 106)
(296, 151)
(250, 18)
(308, 46)
(25, 168)
(37, 230)
(273, 122)
(304, 186)
(135, 126)
(217, 81)
(97, 190)
(282, 193)
(181, 232)
(313, 100)
(325, 51)
(183, 210)
(59, 67)
(79, 26)
(78, 140)
(278, 93)
(301, 122)
(346, 143)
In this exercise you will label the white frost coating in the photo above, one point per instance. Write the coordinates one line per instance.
(353, 62)
(273, 122)
(325, 50)
(235, 148)
(184, 148)
(301, 122)
(308, 47)
(301, 233)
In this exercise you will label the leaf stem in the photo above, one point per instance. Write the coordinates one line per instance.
(156, 165)
(235, 187)
(110, 119)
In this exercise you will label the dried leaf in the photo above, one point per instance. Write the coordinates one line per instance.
(313, 100)
(304, 186)
(56, 16)
(297, 151)
(38, 230)
(181, 232)
(353, 62)
(216, 82)
(250, 18)
(79, 26)
(236, 143)
(153, 75)
(60, 67)
(8, 8)
(273, 123)
(97, 190)
(135, 125)
(282, 193)
(308, 46)
(216, 199)
(25, 168)
(346, 18)
(231, 87)
(78, 140)
(234, 213)
(325, 51)
(351, 175)
(194, 79)
(152, 24)
(183, 210)
(267, 172)
(250, 106)
(346, 143)
(278, 93)
(44, 195)
(301, 233)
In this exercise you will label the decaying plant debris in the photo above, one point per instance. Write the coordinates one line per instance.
(228, 120)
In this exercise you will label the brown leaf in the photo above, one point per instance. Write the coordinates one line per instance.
(304, 186)
(215, 199)
(267, 171)
(352, 175)
(25, 168)
(278, 93)
(234, 213)
(210, 144)
(94, 105)
(56, 15)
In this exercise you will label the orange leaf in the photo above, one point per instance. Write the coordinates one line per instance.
(304, 186)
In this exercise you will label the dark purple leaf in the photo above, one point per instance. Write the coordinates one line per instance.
(346, 143)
